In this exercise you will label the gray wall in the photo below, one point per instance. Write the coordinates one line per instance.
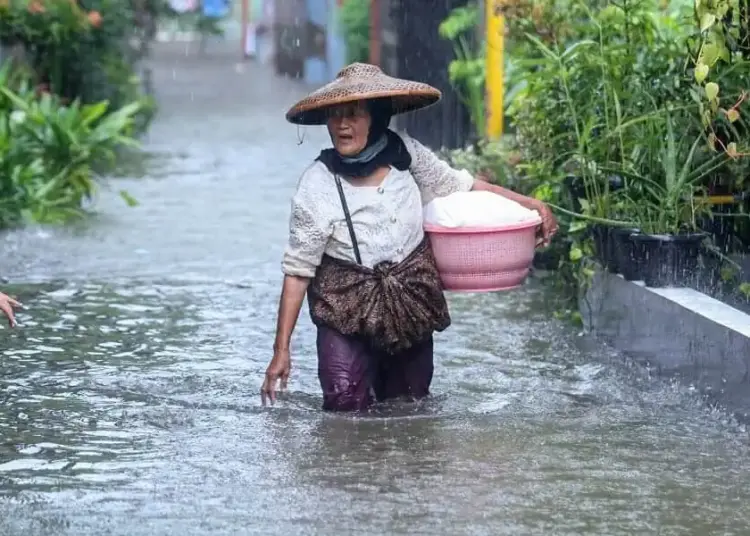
(679, 333)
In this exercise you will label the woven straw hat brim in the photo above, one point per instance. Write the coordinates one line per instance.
(358, 82)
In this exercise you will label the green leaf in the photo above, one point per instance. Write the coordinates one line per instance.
(572, 49)
(129, 199)
(577, 226)
(16, 100)
(707, 20)
(460, 20)
(93, 112)
(712, 91)
(544, 49)
(709, 54)
(701, 72)
(685, 172)
(575, 254)
(669, 157)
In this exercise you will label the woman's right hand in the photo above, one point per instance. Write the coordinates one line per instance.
(7, 304)
(292, 296)
(278, 369)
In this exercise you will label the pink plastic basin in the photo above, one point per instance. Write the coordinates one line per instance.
(483, 259)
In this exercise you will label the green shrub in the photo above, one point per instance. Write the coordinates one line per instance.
(48, 150)
(77, 49)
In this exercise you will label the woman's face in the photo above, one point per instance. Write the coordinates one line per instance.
(349, 125)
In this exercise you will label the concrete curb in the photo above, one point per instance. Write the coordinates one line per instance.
(678, 332)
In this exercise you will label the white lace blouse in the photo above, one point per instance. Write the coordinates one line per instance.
(387, 218)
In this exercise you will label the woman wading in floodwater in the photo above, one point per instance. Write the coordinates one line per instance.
(357, 248)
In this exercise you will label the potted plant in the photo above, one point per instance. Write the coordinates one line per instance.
(652, 220)
(665, 206)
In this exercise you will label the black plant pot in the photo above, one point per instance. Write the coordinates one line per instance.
(629, 255)
(603, 247)
(670, 260)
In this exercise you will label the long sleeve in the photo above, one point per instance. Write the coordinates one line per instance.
(310, 228)
(434, 176)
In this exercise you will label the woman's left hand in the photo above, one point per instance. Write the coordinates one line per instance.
(549, 223)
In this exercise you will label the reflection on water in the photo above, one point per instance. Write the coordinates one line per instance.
(129, 406)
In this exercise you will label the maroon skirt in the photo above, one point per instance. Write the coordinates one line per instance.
(353, 374)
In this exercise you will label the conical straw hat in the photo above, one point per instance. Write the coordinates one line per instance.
(362, 81)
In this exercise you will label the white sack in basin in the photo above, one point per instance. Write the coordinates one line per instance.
(476, 209)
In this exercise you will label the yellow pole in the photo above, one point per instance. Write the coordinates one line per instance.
(495, 84)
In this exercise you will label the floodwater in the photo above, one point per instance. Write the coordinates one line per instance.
(128, 398)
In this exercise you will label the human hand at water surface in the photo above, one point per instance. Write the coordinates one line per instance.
(7, 306)
(278, 369)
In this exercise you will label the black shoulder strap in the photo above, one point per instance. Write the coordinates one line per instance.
(348, 217)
